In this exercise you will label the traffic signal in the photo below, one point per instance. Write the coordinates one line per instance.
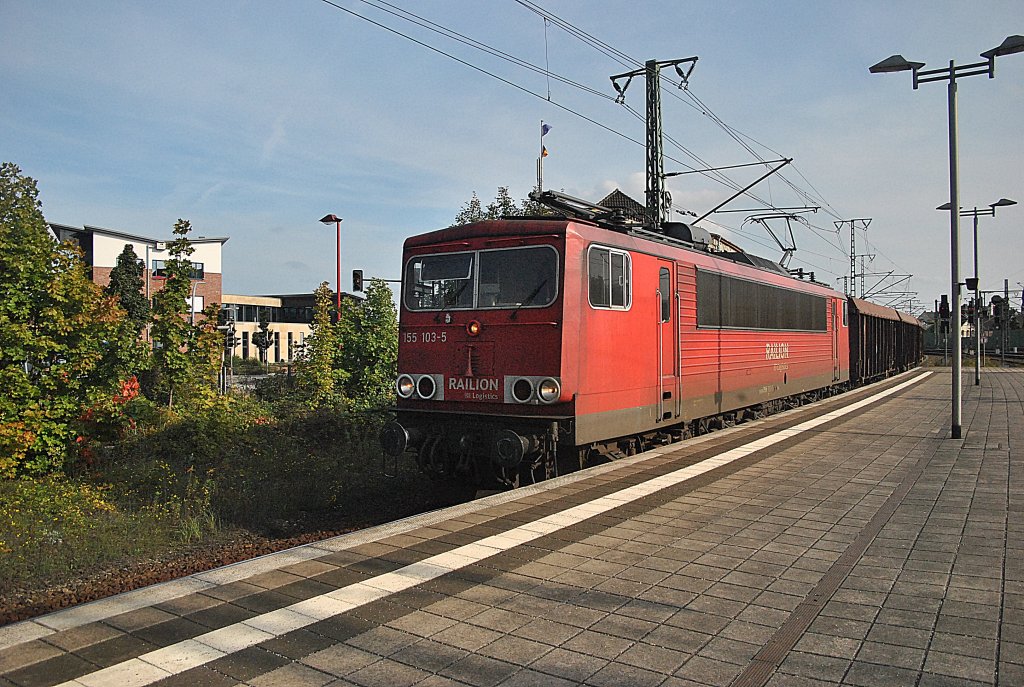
(357, 280)
(997, 312)
(230, 340)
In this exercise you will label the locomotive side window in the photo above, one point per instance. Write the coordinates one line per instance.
(509, 278)
(609, 272)
(730, 303)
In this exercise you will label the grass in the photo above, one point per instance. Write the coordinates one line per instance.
(55, 528)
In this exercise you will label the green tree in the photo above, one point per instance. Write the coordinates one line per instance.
(53, 325)
(127, 286)
(185, 358)
(206, 355)
(471, 212)
(317, 377)
(369, 348)
(502, 206)
(128, 354)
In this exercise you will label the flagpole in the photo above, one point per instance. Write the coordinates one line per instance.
(540, 160)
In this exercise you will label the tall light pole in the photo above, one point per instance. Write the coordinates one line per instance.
(991, 211)
(148, 272)
(897, 63)
(192, 302)
(328, 219)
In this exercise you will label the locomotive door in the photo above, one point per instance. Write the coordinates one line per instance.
(669, 401)
(835, 338)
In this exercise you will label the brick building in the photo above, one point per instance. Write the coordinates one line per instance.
(102, 247)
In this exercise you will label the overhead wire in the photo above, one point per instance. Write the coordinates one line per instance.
(621, 58)
(411, 17)
(497, 77)
(814, 197)
(400, 13)
(697, 104)
(418, 20)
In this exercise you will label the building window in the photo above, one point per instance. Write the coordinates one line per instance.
(291, 347)
(245, 344)
(160, 270)
(277, 347)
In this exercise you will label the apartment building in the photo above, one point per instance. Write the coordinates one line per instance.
(103, 246)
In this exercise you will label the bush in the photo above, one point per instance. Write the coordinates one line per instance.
(235, 463)
(247, 366)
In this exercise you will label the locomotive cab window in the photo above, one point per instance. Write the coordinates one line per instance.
(440, 281)
(508, 278)
(518, 277)
(609, 273)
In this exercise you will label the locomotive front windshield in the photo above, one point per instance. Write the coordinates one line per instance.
(487, 279)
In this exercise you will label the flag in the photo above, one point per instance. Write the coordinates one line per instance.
(543, 151)
(544, 128)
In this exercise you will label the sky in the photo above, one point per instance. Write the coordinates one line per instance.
(254, 119)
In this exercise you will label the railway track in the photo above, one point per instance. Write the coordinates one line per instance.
(990, 357)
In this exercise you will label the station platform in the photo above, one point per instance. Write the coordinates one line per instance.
(847, 542)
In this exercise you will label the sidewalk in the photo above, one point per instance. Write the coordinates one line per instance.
(814, 547)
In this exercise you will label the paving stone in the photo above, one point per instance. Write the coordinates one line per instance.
(875, 675)
(708, 671)
(814, 666)
(891, 655)
(50, 671)
(291, 675)
(958, 665)
(571, 665)
(618, 674)
(828, 645)
(479, 670)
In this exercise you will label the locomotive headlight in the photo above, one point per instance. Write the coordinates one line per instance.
(425, 387)
(405, 386)
(473, 328)
(522, 390)
(549, 390)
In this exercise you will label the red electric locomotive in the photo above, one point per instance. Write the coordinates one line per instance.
(523, 341)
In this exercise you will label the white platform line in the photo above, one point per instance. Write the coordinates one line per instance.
(172, 660)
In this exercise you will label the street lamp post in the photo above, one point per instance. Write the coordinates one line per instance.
(975, 212)
(897, 63)
(328, 219)
(148, 272)
(192, 302)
